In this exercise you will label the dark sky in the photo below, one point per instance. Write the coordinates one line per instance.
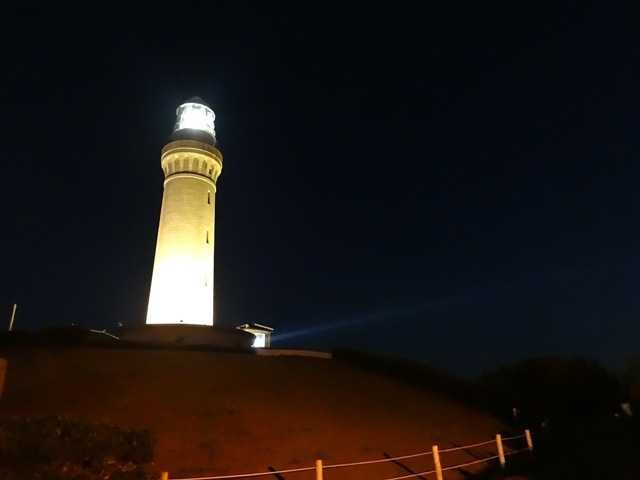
(456, 184)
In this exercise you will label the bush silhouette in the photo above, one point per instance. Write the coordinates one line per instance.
(553, 388)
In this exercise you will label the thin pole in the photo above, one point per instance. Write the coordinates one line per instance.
(500, 450)
(318, 469)
(436, 462)
(13, 316)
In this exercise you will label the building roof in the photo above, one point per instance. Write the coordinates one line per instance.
(255, 326)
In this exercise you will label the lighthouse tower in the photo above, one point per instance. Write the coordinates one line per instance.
(182, 281)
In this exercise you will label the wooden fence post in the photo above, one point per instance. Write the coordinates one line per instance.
(318, 469)
(164, 476)
(527, 434)
(436, 462)
(500, 450)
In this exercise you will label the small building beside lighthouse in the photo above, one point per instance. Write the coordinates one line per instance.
(182, 280)
(261, 333)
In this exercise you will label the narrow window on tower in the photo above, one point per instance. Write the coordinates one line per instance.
(209, 198)
(207, 238)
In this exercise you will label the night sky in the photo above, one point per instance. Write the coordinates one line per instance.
(455, 184)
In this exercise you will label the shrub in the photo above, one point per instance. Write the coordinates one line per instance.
(60, 447)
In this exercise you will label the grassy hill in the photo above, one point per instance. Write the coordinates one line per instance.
(217, 413)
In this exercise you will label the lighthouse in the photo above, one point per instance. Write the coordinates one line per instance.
(182, 280)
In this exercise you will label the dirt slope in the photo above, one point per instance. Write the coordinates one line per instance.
(217, 413)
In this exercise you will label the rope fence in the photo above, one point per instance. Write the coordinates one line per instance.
(474, 462)
(244, 475)
(380, 460)
(467, 447)
(435, 452)
(412, 475)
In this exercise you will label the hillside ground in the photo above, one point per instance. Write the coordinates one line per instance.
(221, 413)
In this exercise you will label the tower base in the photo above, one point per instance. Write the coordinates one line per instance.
(188, 335)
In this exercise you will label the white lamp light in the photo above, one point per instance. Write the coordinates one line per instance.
(195, 116)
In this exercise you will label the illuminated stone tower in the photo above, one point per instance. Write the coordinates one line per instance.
(182, 281)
